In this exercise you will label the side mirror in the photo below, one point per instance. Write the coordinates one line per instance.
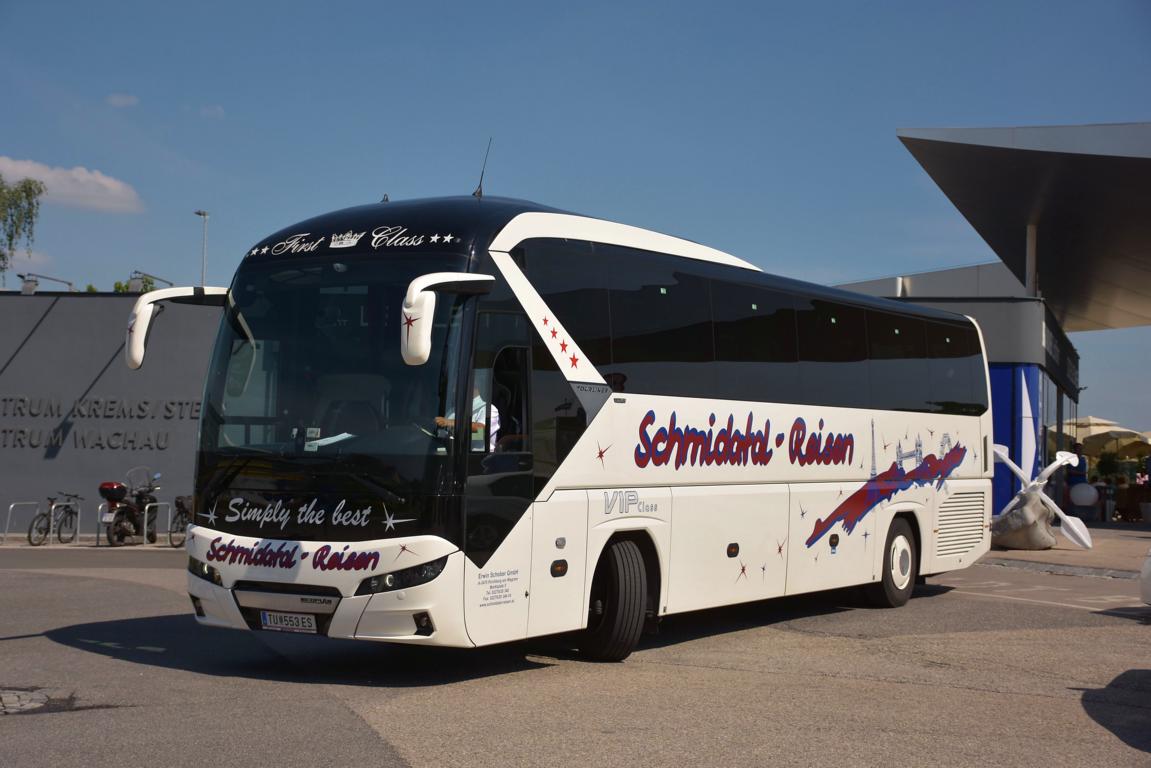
(420, 308)
(136, 337)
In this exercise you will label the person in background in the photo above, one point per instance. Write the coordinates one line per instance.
(1077, 474)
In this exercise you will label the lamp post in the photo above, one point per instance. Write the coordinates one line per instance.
(204, 252)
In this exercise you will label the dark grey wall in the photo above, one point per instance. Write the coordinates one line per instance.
(71, 412)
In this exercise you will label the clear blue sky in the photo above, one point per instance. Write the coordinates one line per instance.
(764, 129)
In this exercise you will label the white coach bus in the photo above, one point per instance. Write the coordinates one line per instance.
(469, 421)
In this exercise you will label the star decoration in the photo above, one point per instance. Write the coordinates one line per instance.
(409, 321)
(742, 571)
(264, 249)
(802, 512)
(211, 516)
(763, 568)
(435, 238)
(574, 361)
(779, 547)
(403, 549)
(545, 321)
(554, 333)
(600, 452)
(564, 346)
(253, 252)
(390, 520)
(448, 238)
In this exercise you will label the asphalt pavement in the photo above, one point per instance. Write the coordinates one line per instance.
(995, 665)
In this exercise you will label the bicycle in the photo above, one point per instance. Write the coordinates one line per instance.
(63, 517)
(178, 531)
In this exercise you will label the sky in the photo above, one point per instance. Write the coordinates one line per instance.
(765, 129)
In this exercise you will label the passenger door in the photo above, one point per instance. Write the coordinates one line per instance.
(498, 495)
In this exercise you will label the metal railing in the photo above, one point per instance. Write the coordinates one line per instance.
(13, 506)
(101, 509)
(145, 516)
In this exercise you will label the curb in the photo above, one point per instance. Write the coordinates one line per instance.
(1062, 570)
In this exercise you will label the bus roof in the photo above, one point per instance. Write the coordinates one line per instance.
(467, 226)
(452, 225)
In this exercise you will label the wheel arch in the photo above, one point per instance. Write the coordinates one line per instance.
(916, 517)
(653, 562)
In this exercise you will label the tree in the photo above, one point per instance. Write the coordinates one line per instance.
(19, 208)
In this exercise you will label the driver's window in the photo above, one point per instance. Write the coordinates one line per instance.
(499, 397)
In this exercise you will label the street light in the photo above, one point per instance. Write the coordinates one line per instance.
(136, 281)
(204, 253)
(31, 280)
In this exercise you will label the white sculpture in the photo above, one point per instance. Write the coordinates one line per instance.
(1025, 522)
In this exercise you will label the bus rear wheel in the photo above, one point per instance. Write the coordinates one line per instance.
(617, 605)
(900, 568)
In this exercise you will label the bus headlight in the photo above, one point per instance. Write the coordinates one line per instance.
(204, 571)
(408, 577)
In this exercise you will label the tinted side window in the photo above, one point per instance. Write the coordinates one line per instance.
(955, 369)
(558, 419)
(832, 353)
(897, 347)
(755, 344)
(661, 326)
(572, 278)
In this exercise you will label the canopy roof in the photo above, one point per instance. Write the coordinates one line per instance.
(1088, 190)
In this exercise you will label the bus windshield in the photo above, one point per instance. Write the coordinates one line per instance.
(307, 363)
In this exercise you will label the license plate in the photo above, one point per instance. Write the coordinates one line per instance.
(107, 517)
(288, 622)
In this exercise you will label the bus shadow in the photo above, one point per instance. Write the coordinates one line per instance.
(686, 627)
(1122, 707)
(178, 642)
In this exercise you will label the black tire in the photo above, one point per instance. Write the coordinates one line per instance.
(178, 533)
(119, 530)
(617, 604)
(900, 568)
(66, 530)
(38, 529)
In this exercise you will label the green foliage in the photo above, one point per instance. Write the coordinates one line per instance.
(92, 289)
(119, 287)
(19, 209)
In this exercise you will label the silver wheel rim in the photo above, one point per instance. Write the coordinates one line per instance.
(901, 562)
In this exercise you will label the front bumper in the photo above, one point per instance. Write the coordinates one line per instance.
(308, 577)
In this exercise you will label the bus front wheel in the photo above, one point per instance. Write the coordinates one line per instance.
(900, 568)
(617, 605)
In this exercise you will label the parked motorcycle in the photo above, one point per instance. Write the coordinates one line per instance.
(127, 502)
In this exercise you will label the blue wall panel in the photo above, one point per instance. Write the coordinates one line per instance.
(1010, 385)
